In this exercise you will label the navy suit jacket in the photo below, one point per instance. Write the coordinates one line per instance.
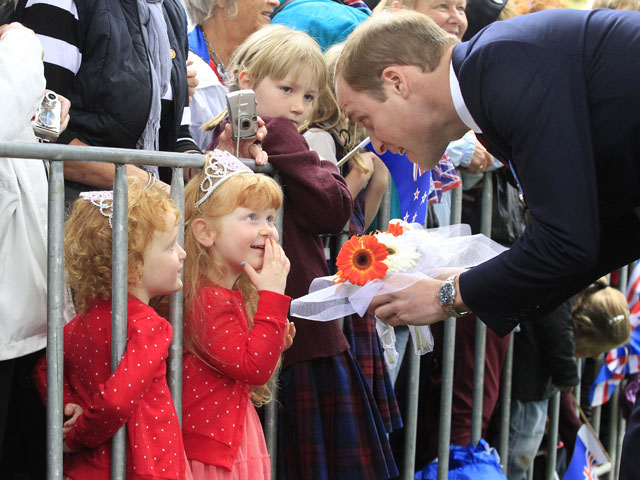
(557, 93)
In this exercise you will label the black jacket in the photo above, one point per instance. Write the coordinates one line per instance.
(111, 92)
(544, 356)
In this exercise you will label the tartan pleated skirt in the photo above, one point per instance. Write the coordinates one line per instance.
(329, 426)
(365, 344)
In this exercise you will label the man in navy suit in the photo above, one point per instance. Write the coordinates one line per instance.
(556, 93)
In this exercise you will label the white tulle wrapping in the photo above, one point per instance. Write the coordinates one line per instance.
(441, 249)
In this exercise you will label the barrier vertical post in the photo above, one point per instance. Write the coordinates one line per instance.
(176, 304)
(119, 269)
(55, 322)
(505, 406)
(271, 409)
(481, 329)
(448, 351)
(552, 443)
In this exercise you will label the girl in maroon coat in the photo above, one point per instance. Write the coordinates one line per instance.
(329, 426)
(235, 317)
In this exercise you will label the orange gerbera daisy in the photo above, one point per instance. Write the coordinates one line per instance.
(360, 260)
(395, 229)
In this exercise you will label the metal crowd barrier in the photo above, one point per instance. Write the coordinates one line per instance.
(55, 296)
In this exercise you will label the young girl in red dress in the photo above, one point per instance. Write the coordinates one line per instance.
(236, 323)
(136, 394)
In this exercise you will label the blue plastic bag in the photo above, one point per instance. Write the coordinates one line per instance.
(467, 463)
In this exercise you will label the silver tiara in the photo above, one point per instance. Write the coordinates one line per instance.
(103, 200)
(221, 166)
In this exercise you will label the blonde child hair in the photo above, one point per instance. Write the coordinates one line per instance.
(600, 318)
(276, 51)
(202, 265)
(88, 241)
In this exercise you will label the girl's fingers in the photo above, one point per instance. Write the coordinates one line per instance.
(251, 273)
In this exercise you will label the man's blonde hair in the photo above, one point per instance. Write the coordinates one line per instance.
(401, 37)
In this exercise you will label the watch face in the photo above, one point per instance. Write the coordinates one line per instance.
(445, 294)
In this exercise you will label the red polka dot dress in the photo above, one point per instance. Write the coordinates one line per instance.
(136, 394)
(216, 401)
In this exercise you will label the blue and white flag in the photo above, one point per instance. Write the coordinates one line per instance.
(411, 182)
(587, 454)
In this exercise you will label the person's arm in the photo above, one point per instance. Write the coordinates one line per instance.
(245, 355)
(545, 119)
(319, 198)
(22, 78)
(556, 333)
(111, 407)
(56, 25)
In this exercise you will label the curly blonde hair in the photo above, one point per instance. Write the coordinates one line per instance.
(600, 318)
(88, 241)
(203, 266)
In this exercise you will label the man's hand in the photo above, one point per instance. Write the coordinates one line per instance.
(248, 148)
(415, 305)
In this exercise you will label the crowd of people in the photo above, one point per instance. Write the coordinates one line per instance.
(325, 75)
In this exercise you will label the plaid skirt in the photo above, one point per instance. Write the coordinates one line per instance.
(329, 426)
(366, 347)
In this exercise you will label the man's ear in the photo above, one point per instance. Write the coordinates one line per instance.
(244, 80)
(394, 80)
(203, 232)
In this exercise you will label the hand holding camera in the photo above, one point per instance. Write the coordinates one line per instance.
(242, 137)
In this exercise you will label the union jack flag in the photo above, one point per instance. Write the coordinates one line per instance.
(412, 183)
(444, 177)
(587, 453)
(618, 362)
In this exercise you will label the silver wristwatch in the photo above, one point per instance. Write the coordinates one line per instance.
(447, 295)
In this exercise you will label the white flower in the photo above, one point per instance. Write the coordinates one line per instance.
(402, 257)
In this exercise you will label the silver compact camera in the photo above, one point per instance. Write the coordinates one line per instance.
(241, 105)
(46, 121)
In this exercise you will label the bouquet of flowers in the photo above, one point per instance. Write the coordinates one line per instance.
(386, 262)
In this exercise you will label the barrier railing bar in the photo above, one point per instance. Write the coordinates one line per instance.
(448, 351)
(55, 322)
(176, 303)
(552, 443)
(120, 222)
(481, 328)
(118, 156)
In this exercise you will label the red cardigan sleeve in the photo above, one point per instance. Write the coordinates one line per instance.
(147, 348)
(245, 355)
